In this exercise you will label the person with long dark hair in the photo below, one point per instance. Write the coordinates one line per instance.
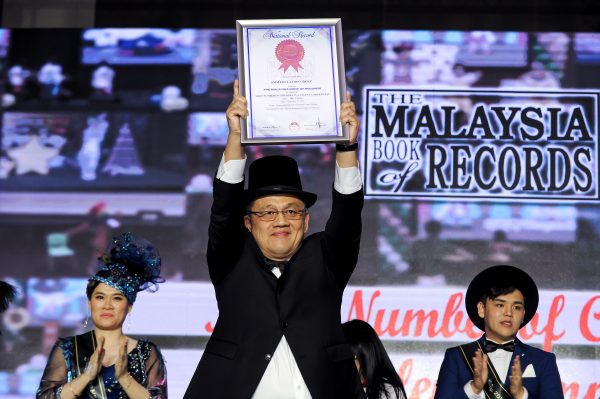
(377, 374)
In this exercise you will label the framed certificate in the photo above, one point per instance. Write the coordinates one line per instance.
(291, 72)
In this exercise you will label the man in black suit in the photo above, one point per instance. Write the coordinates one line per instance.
(279, 293)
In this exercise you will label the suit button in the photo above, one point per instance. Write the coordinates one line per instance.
(267, 357)
(284, 324)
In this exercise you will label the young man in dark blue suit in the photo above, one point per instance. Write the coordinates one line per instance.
(500, 300)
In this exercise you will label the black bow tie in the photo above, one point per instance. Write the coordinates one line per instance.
(271, 264)
(490, 346)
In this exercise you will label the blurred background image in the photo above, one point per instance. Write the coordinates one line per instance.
(111, 130)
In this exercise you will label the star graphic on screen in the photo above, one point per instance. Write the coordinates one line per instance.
(6, 165)
(33, 156)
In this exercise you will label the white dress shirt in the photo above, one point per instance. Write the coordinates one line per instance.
(282, 378)
(346, 180)
(500, 359)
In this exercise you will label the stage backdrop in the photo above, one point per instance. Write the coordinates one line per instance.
(477, 148)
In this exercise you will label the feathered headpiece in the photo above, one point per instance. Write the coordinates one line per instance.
(132, 265)
(7, 295)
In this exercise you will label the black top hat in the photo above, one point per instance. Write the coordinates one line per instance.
(501, 276)
(276, 175)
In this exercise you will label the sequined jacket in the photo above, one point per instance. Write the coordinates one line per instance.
(66, 362)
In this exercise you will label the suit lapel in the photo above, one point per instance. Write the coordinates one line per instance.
(520, 350)
(494, 387)
(492, 370)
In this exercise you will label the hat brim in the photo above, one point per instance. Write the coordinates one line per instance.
(501, 276)
(308, 198)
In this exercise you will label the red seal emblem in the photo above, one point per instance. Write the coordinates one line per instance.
(289, 53)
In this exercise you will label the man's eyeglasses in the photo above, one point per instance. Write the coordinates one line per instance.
(269, 216)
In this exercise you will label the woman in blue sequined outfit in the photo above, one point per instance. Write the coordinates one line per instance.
(105, 363)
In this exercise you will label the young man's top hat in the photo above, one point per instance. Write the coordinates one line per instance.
(501, 277)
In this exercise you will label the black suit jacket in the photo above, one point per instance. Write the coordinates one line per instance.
(256, 309)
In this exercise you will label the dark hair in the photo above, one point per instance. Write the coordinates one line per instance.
(8, 293)
(433, 228)
(375, 365)
(91, 286)
(495, 291)
(500, 236)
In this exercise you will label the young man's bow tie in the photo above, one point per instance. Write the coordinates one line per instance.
(490, 346)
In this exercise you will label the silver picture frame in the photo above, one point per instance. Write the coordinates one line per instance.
(292, 73)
